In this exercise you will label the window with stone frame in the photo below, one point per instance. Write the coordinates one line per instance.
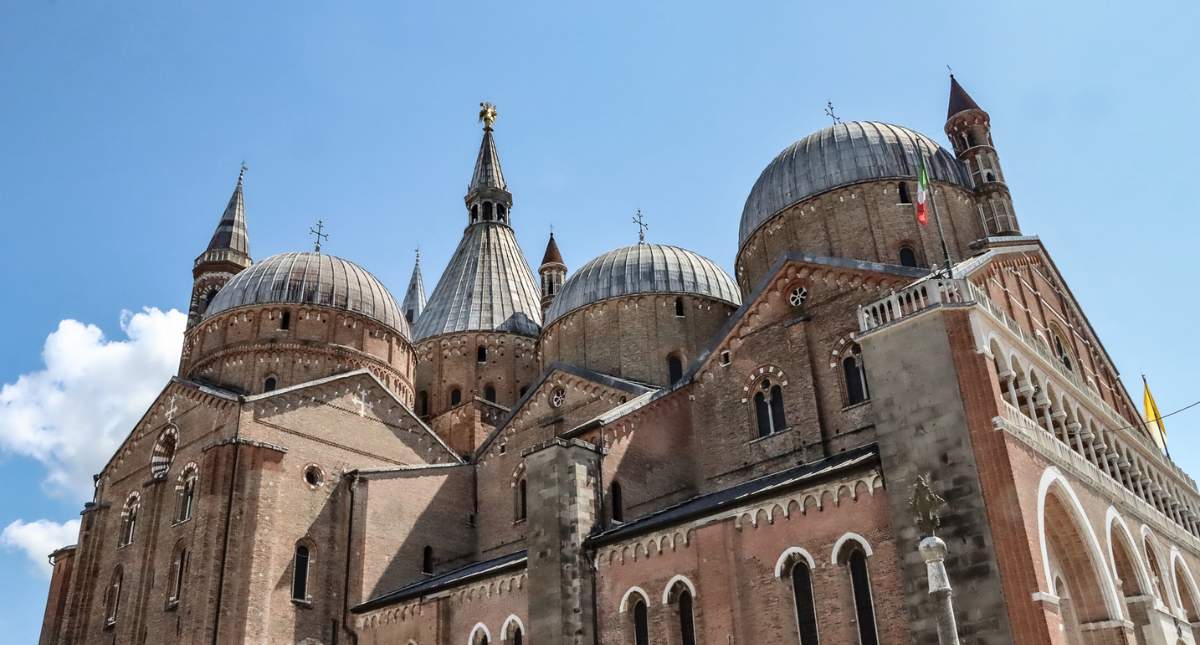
(864, 605)
(301, 574)
(768, 408)
(112, 598)
(854, 377)
(179, 563)
(800, 579)
(520, 500)
(1061, 347)
(185, 493)
(641, 622)
(129, 518)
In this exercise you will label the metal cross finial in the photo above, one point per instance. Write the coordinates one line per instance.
(926, 505)
(829, 112)
(642, 226)
(950, 69)
(487, 114)
(318, 235)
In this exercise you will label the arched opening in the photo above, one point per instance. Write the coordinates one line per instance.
(206, 300)
(112, 597)
(500, 212)
(1156, 573)
(178, 568)
(679, 307)
(480, 635)
(618, 504)
(641, 622)
(1071, 627)
(1138, 600)
(674, 369)
(855, 559)
(1062, 348)
(1184, 590)
(269, 384)
(908, 257)
(422, 403)
(521, 501)
(455, 396)
(1078, 571)
(768, 408)
(129, 518)
(408, 315)
(489, 393)
(799, 576)
(487, 211)
(481, 354)
(474, 213)
(427, 560)
(186, 494)
(300, 574)
(902, 188)
(854, 377)
(285, 320)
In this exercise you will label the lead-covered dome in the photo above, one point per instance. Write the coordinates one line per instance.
(843, 154)
(310, 279)
(643, 268)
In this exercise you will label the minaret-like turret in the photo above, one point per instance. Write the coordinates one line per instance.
(488, 199)
(228, 253)
(553, 272)
(414, 298)
(970, 130)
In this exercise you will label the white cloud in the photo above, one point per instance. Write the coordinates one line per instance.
(73, 413)
(39, 539)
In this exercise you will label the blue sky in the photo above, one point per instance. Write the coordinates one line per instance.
(124, 124)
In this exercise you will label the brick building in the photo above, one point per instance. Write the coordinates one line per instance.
(646, 450)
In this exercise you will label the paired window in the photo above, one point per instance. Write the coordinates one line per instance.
(768, 408)
(1062, 349)
(129, 517)
(674, 368)
(185, 494)
(300, 572)
(855, 377)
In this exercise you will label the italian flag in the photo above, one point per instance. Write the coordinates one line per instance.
(922, 191)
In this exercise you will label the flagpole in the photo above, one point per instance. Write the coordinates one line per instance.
(936, 218)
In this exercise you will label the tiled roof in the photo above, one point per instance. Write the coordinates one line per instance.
(445, 580)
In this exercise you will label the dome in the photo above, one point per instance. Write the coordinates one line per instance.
(840, 155)
(310, 279)
(643, 268)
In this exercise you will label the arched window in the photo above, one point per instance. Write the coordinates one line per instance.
(500, 212)
(1061, 348)
(207, 300)
(679, 307)
(908, 257)
(687, 618)
(474, 213)
(674, 369)
(408, 315)
(521, 502)
(487, 211)
(522, 390)
(269, 384)
(427, 560)
(855, 377)
(300, 573)
(768, 408)
(422, 403)
(129, 517)
(903, 189)
(285, 320)
(186, 494)
(641, 623)
(455, 396)
(164, 452)
(481, 354)
(618, 504)
(864, 607)
(489, 393)
(112, 598)
(802, 595)
(178, 568)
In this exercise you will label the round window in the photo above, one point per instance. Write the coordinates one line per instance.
(798, 296)
(313, 475)
(558, 397)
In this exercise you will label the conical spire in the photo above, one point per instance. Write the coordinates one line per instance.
(488, 199)
(414, 298)
(488, 173)
(231, 241)
(552, 255)
(959, 99)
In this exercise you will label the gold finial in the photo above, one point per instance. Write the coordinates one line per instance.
(487, 114)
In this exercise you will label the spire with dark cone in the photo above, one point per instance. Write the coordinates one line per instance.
(488, 199)
(970, 130)
(228, 253)
(414, 298)
(553, 271)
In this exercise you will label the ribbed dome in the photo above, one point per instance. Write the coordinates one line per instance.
(643, 268)
(310, 279)
(843, 154)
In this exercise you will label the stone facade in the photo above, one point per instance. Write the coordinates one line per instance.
(500, 482)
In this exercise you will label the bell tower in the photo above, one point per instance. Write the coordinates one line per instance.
(228, 253)
(488, 199)
(553, 272)
(970, 131)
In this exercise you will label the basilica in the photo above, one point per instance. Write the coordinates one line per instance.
(645, 448)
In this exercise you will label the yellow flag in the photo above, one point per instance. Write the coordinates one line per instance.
(1154, 421)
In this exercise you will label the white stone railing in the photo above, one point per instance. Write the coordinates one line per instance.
(1046, 444)
(910, 300)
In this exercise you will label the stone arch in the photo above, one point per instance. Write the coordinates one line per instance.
(789, 557)
(850, 537)
(1185, 587)
(506, 631)
(1123, 554)
(479, 630)
(674, 584)
(1155, 569)
(627, 599)
(1062, 527)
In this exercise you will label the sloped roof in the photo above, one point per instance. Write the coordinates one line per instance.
(445, 580)
(959, 99)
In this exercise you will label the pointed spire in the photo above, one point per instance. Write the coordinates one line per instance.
(488, 199)
(552, 255)
(231, 241)
(487, 166)
(414, 298)
(959, 99)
